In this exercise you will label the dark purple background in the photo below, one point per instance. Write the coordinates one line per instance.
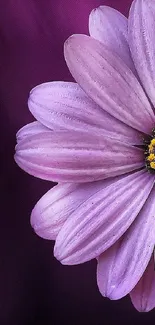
(34, 287)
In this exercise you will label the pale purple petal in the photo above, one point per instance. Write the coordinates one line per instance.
(121, 267)
(76, 157)
(31, 129)
(110, 27)
(142, 44)
(143, 295)
(65, 106)
(101, 220)
(109, 82)
(54, 208)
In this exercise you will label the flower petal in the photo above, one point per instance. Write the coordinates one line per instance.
(101, 220)
(141, 41)
(109, 82)
(30, 129)
(143, 295)
(110, 27)
(65, 106)
(121, 267)
(54, 208)
(76, 157)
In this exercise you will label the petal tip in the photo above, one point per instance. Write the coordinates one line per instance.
(74, 39)
(57, 253)
(69, 40)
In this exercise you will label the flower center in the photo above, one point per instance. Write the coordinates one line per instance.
(150, 152)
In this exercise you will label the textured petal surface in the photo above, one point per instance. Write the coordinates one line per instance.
(108, 81)
(141, 41)
(31, 129)
(143, 295)
(54, 208)
(65, 106)
(111, 27)
(121, 267)
(102, 219)
(76, 157)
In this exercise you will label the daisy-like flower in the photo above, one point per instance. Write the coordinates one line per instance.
(96, 139)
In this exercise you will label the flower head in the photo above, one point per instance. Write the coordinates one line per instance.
(96, 137)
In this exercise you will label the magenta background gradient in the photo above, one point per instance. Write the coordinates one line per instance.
(34, 287)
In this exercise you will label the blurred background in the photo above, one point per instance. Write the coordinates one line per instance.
(34, 287)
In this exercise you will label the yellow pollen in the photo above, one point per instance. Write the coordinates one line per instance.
(151, 148)
(149, 152)
(153, 142)
(151, 157)
(152, 165)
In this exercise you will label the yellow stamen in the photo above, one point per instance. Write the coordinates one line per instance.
(152, 165)
(153, 142)
(151, 148)
(151, 157)
(149, 152)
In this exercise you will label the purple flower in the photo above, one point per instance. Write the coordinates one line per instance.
(96, 139)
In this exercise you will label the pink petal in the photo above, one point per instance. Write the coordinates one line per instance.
(121, 267)
(31, 129)
(102, 219)
(141, 41)
(76, 157)
(54, 208)
(65, 106)
(109, 82)
(143, 295)
(110, 27)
